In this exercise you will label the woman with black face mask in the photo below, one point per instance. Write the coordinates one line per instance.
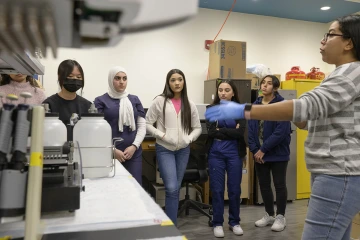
(67, 102)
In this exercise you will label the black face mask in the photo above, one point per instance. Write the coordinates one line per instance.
(72, 85)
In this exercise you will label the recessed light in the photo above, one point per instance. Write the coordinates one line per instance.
(325, 8)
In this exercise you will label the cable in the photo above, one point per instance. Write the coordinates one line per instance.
(230, 11)
(225, 19)
(148, 162)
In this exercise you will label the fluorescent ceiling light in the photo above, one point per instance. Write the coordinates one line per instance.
(325, 8)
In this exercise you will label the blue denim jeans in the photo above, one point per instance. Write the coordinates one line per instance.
(172, 166)
(334, 202)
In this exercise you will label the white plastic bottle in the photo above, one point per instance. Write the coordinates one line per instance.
(55, 133)
(94, 135)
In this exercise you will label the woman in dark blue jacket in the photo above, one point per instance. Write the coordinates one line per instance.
(269, 142)
(227, 150)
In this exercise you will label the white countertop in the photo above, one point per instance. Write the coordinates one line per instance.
(107, 203)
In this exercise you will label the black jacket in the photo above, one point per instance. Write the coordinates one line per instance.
(277, 136)
(227, 134)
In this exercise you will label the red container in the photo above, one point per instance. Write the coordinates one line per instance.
(315, 74)
(295, 73)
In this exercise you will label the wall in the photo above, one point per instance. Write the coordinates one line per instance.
(275, 42)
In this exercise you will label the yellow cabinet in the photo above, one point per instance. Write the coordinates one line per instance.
(355, 229)
(303, 175)
(301, 85)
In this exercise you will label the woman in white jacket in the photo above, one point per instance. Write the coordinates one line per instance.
(177, 125)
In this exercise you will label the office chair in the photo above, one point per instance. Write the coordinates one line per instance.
(196, 172)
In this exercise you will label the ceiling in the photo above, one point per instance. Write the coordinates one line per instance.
(306, 10)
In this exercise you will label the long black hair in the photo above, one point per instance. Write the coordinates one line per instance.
(185, 104)
(350, 27)
(6, 79)
(235, 98)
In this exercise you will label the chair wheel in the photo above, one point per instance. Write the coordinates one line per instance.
(210, 211)
(210, 223)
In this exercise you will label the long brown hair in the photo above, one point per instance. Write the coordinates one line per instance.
(185, 104)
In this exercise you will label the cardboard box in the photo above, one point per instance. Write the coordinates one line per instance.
(255, 81)
(278, 76)
(227, 59)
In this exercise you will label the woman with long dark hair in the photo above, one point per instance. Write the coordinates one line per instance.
(226, 152)
(331, 113)
(269, 141)
(177, 125)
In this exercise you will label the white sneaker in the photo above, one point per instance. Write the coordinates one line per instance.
(266, 220)
(237, 230)
(219, 232)
(279, 224)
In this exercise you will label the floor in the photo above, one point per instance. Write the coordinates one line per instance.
(195, 225)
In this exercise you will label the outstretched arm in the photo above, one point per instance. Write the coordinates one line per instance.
(333, 95)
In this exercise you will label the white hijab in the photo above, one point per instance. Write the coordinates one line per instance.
(126, 111)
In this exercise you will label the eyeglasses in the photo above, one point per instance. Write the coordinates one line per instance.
(325, 38)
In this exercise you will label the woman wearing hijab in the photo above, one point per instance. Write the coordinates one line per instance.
(126, 116)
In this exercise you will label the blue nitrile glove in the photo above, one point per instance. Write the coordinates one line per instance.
(225, 110)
